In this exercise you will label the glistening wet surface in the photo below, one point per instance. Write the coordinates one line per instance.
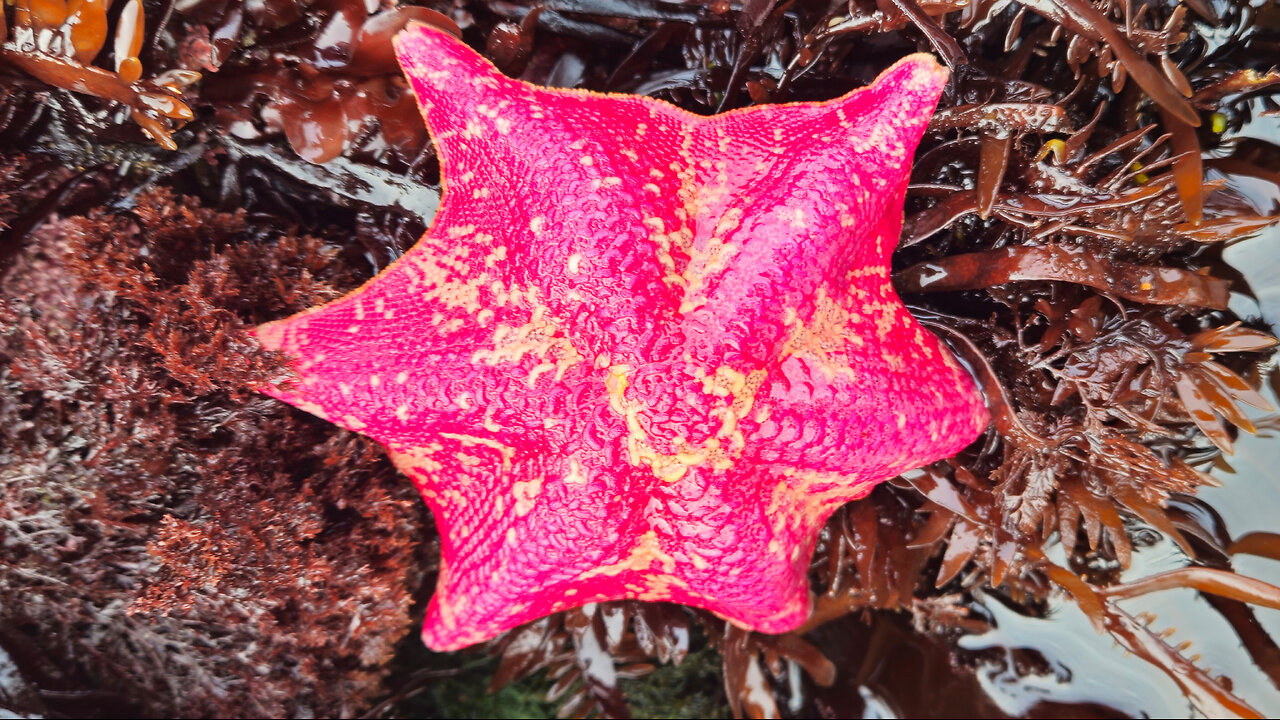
(1061, 152)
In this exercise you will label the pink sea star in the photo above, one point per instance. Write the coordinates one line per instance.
(639, 353)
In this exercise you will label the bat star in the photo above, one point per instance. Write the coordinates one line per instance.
(639, 353)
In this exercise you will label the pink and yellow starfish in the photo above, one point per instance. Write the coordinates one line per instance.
(639, 353)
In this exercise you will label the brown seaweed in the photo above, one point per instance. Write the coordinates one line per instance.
(199, 549)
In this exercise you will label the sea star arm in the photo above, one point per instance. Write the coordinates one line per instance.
(414, 353)
(557, 539)
(734, 541)
(791, 203)
(862, 384)
(578, 213)
(526, 531)
(813, 361)
(482, 309)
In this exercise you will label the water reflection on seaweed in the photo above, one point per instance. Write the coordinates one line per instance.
(1098, 671)
(1090, 668)
(1082, 666)
(1056, 664)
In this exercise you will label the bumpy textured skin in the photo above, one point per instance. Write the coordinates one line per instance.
(640, 353)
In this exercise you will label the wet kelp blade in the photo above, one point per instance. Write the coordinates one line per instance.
(1140, 283)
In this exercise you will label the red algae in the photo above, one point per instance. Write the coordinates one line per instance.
(138, 450)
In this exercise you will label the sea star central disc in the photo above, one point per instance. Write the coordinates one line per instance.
(640, 353)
